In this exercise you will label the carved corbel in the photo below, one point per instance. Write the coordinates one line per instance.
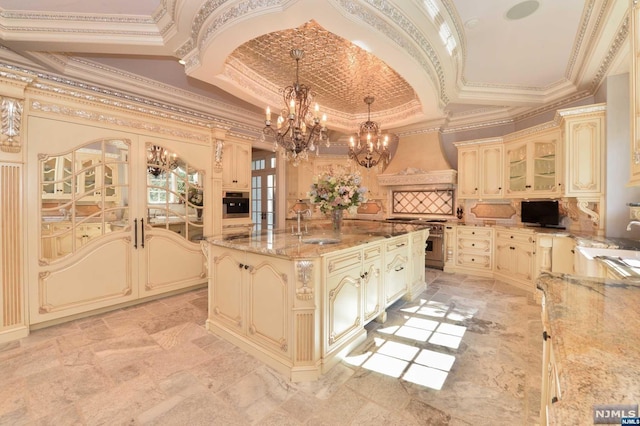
(583, 205)
(11, 114)
(305, 268)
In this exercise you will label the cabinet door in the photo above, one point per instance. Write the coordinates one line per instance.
(343, 296)
(491, 171)
(372, 282)
(396, 278)
(269, 305)
(516, 168)
(584, 138)
(468, 173)
(236, 165)
(227, 290)
(243, 165)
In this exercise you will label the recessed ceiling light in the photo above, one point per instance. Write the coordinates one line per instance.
(523, 9)
(181, 62)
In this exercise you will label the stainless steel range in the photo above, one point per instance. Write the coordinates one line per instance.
(434, 246)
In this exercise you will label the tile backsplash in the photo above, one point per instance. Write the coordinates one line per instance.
(433, 201)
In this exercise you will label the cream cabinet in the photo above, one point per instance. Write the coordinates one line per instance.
(533, 165)
(236, 165)
(480, 171)
(417, 283)
(343, 298)
(584, 139)
(449, 248)
(249, 294)
(372, 285)
(474, 249)
(515, 257)
(396, 263)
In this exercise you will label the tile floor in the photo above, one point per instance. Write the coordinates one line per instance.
(467, 352)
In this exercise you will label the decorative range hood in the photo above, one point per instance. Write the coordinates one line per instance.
(419, 163)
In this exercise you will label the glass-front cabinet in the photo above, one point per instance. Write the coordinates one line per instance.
(533, 165)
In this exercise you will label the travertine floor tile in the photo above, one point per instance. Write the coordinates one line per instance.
(467, 351)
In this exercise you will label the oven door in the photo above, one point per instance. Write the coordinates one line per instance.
(434, 251)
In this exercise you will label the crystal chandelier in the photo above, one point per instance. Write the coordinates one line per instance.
(370, 149)
(298, 130)
(159, 160)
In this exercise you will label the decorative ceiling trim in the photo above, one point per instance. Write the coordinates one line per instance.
(614, 48)
(116, 120)
(208, 9)
(411, 31)
(117, 99)
(74, 17)
(586, 17)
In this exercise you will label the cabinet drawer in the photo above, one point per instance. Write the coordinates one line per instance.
(474, 260)
(342, 262)
(516, 237)
(371, 253)
(397, 244)
(474, 244)
(474, 232)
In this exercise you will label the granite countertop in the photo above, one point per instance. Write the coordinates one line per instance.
(595, 329)
(281, 242)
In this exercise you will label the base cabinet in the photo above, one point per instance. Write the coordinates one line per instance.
(302, 316)
(250, 296)
(396, 263)
(515, 257)
(474, 246)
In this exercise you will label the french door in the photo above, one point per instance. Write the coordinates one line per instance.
(263, 189)
(116, 217)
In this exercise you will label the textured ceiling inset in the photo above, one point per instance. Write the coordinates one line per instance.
(339, 73)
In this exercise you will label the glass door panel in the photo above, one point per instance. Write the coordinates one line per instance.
(544, 174)
(72, 211)
(517, 168)
(175, 198)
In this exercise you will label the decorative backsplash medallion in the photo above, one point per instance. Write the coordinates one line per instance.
(435, 201)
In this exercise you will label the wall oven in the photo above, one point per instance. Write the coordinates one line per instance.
(235, 205)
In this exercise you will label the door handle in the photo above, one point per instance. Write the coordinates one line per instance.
(142, 228)
(135, 233)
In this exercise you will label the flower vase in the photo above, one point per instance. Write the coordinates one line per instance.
(336, 220)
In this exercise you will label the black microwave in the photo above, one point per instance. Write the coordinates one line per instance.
(235, 204)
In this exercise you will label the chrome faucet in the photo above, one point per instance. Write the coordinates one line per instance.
(66, 214)
(299, 233)
(633, 222)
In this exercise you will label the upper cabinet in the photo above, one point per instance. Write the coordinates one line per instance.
(236, 165)
(634, 31)
(534, 166)
(480, 171)
(584, 136)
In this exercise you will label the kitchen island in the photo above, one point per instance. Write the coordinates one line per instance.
(299, 303)
(590, 355)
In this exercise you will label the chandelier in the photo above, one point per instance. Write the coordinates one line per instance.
(371, 149)
(298, 130)
(159, 160)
